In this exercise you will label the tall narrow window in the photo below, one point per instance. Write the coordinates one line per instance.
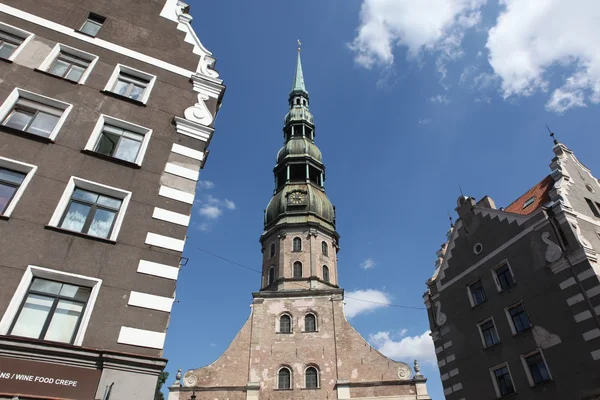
(325, 273)
(324, 249)
(284, 379)
(8, 44)
(297, 269)
(10, 181)
(504, 277)
(91, 213)
(51, 311)
(285, 324)
(489, 333)
(310, 323)
(592, 207)
(503, 380)
(312, 378)
(538, 370)
(271, 276)
(272, 253)
(519, 318)
(297, 244)
(93, 24)
(477, 293)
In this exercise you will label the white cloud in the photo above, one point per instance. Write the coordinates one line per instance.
(530, 37)
(212, 345)
(418, 347)
(210, 212)
(403, 332)
(436, 25)
(204, 227)
(229, 204)
(368, 263)
(424, 121)
(364, 301)
(205, 185)
(440, 99)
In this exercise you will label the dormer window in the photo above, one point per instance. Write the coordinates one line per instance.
(529, 202)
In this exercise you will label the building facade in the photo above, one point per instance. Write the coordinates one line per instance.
(514, 304)
(106, 112)
(297, 343)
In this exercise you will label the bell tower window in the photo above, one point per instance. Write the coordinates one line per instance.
(297, 172)
(285, 324)
(297, 244)
(271, 276)
(326, 273)
(310, 323)
(297, 269)
(324, 249)
(272, 253)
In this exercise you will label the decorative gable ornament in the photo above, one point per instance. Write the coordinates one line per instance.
(553, 251)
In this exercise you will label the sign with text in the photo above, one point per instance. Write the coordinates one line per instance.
(35, 378)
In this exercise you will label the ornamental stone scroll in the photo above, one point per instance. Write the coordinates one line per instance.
(553, 251)
(199, 112)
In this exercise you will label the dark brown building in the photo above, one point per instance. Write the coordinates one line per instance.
(514, 304)
(106, 110)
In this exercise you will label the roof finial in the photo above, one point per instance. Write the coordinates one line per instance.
(552, 135)
(461, 192)
(299, 46)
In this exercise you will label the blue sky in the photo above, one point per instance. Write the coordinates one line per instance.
(411, 99)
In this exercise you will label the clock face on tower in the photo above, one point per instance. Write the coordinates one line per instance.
(297, 198)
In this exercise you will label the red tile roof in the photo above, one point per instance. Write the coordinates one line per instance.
(541, 193)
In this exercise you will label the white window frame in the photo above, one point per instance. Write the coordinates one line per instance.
(495, 277)
(133, 72)
(19, 167)
(318, 376)
(291, 377)
(13, 30)
(526, 366)
(74, 182)
(119, 123)
(63, 48)
(314, 314)
(278, 323)
(470, 294)
(33, 271)
(19, 93)
(485, 346)
(493, 376)
(511, 324)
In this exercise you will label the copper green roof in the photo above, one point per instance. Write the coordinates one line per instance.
(299, 77)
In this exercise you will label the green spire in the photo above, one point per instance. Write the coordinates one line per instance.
(299, 76)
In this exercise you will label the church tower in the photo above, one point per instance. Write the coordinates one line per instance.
(297, 343)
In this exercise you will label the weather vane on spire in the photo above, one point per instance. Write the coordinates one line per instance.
(299, 44)
(552, 135)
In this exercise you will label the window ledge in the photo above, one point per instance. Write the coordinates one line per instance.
(6, 60)
(83, 235)
(41, 71)
(522, 332)
(310, 331)
(284, 333)
(317, 388)
(492, 346)
(83, 33)
(127, 99)
(112, 159)
(4, 218)
(284, 390)
(26, 135)
(478, 304)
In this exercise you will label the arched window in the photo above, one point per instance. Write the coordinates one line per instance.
(312, 378)
(297, 269)
(297, 244)
(324, 249)
(271, 277)
(285, 324)
(284, 378)
(272, 249)
(325, 273)
(310, 323)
